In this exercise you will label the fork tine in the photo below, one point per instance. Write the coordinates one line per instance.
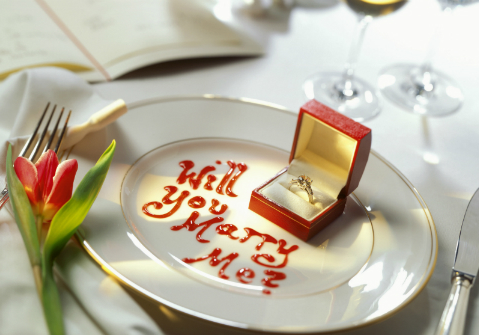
(42, 136)
(62, 134)
(54, 131)
(30, 140)
(4, 194)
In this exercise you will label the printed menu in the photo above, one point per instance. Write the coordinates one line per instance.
(104, 39)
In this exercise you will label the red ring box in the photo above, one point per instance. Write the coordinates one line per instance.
(332, 150)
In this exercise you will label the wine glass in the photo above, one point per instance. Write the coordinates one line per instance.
(421, 89)
(344, 91)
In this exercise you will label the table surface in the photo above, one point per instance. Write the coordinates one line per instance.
(315, 36)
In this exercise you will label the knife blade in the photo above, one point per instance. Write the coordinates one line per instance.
(464, 272)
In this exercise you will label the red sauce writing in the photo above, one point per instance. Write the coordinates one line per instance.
(251, 232)
(226, 184)
(273, 275)
(226, 177)
(214, 261)
(200, 202)
(209, 179)
(229, 189)
(167, 201)
(213, 209)
(270, 258)
(194, 182)
(190, 224)
(227, 229)
(245, 273)
(197, 202)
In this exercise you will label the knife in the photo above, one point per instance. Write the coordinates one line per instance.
(464, 271)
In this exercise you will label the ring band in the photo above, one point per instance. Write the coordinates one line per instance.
(304, 183)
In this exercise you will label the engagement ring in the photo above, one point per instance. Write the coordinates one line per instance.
(304, 183)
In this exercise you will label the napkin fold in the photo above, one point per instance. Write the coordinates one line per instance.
(93, 302)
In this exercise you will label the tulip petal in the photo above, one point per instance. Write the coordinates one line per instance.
(27, 173)
(62, 188)
(46, 167)
(71, 215)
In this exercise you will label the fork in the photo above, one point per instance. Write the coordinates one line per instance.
(4, 194)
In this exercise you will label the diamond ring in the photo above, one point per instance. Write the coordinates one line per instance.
(304, 183)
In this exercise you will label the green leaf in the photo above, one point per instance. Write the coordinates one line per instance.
(72, 214)
(52, 307)
(63, 226)
(23, 213)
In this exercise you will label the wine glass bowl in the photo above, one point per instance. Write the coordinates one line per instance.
(344, 91)
(421, 91)
(355, 98)
(375, 7)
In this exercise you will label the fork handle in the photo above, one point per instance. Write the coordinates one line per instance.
(454, 315)
(4, 197)
(107, 115)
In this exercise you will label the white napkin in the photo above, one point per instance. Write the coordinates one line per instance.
(93, 302)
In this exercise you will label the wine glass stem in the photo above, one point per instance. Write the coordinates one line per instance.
(350, 67)
(426, 67)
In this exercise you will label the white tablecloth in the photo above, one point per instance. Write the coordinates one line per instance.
(317, 37)
(93, 302)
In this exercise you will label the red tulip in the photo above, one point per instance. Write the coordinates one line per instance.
(48, 184)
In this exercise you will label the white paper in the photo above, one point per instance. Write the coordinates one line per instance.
(103, 39)
(29, 38)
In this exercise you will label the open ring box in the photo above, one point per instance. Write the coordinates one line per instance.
(332, 150)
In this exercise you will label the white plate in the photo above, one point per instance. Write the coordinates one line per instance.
(368, 264)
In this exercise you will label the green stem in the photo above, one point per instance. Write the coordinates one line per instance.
(37, 274)
(51, 302)
(39, 224)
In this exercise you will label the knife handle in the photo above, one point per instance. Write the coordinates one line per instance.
(454, 315)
